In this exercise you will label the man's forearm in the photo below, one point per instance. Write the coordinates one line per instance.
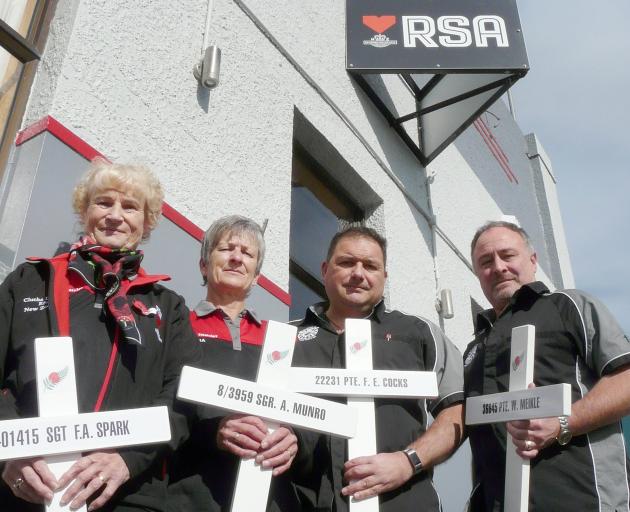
(607, 402)
(442, 438)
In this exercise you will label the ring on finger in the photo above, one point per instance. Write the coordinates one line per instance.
(102, 478)
(529, 445)
(18, 483)
(236, 435)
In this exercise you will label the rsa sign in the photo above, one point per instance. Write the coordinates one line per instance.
(434, 36)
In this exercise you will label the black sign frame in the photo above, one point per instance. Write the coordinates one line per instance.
(451, 37)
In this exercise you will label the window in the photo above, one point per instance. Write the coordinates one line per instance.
(22, 35)
(318, 209)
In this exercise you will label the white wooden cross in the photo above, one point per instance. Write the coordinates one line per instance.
(270, 399)
(360, 383)
(519, 403)
(60, 433)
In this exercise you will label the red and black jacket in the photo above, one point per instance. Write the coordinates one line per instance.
(40, 298)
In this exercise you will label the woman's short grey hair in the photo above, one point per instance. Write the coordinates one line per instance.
(501, 224)
(233, 225)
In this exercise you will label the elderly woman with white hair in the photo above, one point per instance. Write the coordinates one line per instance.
(131, 337)
(203, 473)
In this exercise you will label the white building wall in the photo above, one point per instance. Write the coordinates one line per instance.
(119, 75)
(550, 213)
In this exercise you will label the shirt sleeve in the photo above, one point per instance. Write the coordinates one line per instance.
(601, 341)
(448, 367)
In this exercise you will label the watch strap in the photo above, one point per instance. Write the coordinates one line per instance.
(414, 460)
(564, 436)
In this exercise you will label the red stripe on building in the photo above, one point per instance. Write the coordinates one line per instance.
(274, 289)
(51, 125)
(177, 218)
(499, 153)
(54, 127)
(495, 149)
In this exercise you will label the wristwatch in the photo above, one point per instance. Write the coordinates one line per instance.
(414, 460)
(564, 436)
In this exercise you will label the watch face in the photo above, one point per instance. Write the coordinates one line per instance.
(564, 438)
(414, 460)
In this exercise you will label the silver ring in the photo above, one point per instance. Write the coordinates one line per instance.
(529, 445)
(18, 482)
(236, 435)
(101, 478)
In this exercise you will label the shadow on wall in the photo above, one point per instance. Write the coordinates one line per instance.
(402, 163)
(504, 170)
(397, 156)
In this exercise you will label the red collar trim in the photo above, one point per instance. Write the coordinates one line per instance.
(61, 287)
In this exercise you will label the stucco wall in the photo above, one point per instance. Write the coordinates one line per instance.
(119, 75)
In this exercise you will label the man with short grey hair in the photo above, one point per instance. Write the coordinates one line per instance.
(578, 462)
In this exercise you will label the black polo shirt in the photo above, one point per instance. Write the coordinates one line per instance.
(577, 342)
(399, 342)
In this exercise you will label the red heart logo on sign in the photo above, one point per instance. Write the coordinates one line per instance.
(379, 23)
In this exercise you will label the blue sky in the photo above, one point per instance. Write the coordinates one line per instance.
(576, 98)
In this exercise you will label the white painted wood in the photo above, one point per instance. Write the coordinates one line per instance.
(358, 335)
(270, 399)
(374, 383)
(60, 433)
(56, 395)
(267, 402)
(253, 481)
(543, 402)
(72, 434)
(519, 403)
(516, 498)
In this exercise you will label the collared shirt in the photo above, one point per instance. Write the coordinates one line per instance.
(203, 476)
(399, 342)
(205, 308)
(577, 342)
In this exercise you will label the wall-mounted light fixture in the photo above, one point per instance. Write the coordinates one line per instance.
(207, 70)
(444, 304)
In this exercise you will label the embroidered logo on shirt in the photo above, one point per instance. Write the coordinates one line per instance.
(471, 355)
(308, 334)
(276, 356)
(150, 312)
(206, 335)
(55, 378)
(147, 311)
(35, 304)
(358, 345)
(80, 288)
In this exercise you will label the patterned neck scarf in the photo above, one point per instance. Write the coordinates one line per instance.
(109, 272)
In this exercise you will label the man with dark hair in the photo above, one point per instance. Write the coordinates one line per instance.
(354, 277)
(578, 462)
